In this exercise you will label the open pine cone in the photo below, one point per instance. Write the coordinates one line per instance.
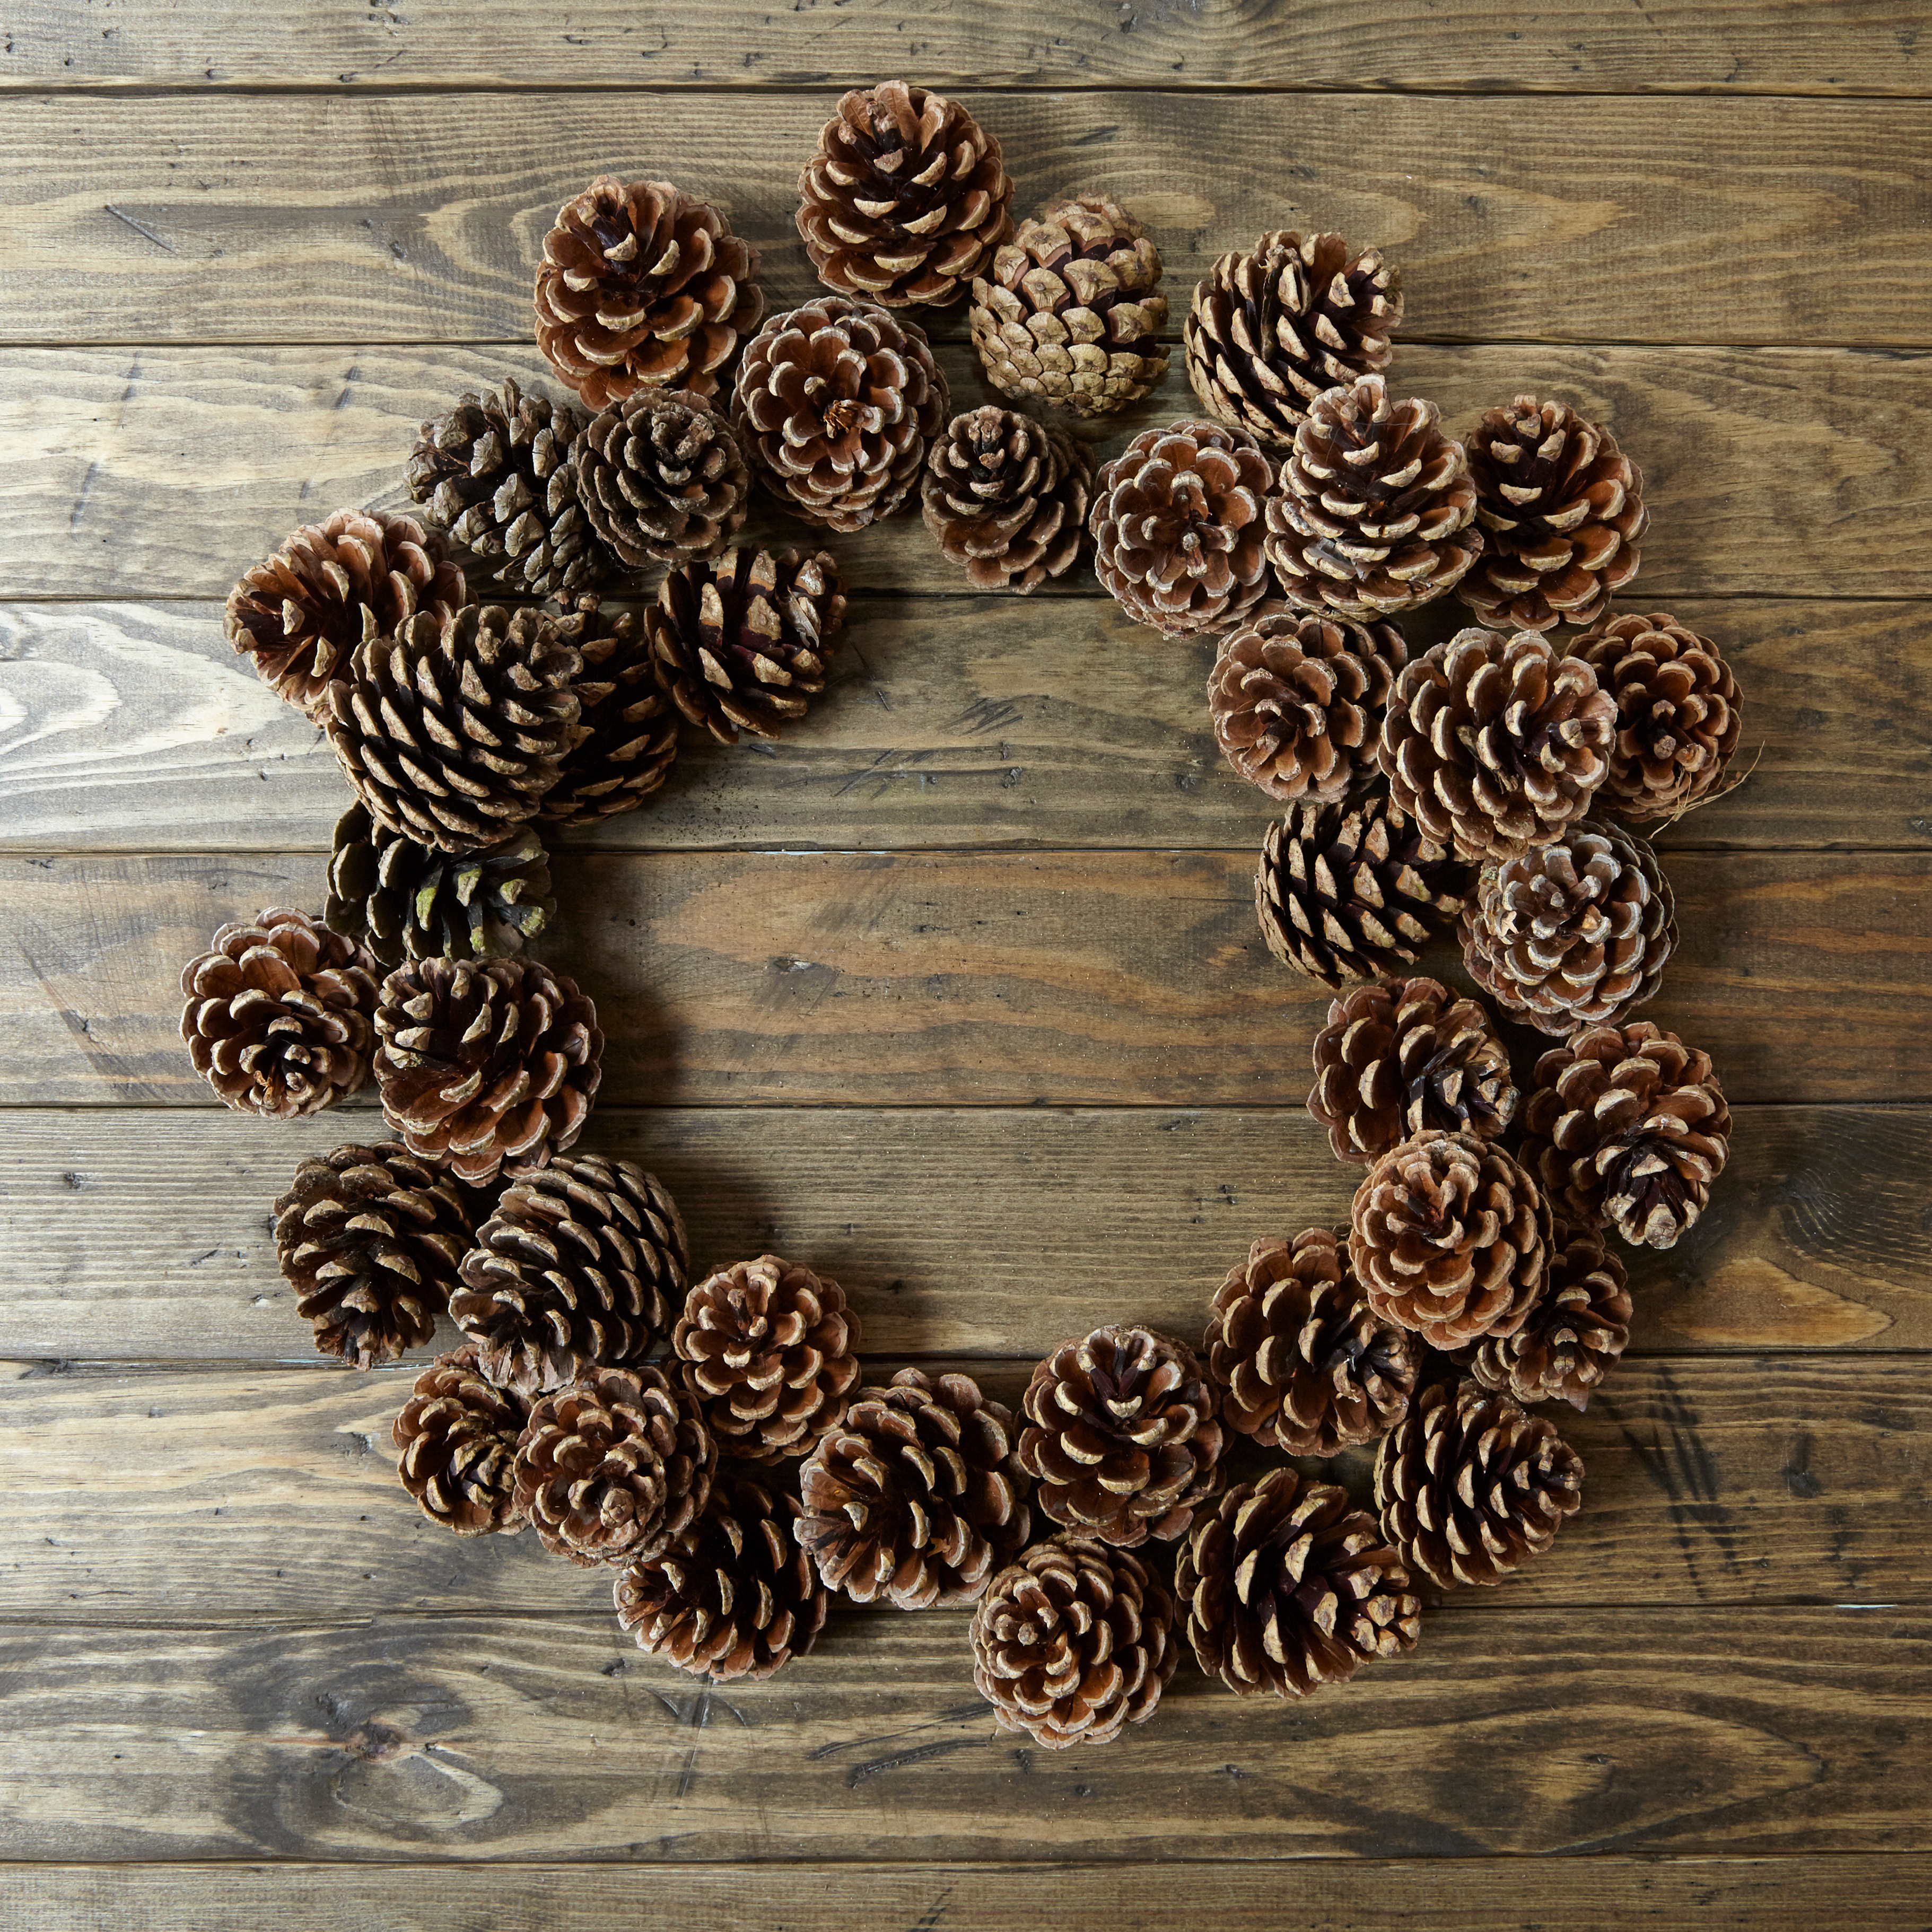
(1579, 1328)
(456, 1442)
(662, 478)
(628, 722)
(1006, 497)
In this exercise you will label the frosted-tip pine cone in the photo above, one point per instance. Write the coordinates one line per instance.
(456, 1442)
(662, 478)
(628, 722)
(1006, 497)
(1579, 1328)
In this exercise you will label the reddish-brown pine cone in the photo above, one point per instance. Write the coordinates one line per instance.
(917, 1497)
(1287, 1586)
(1073, 1642)
(643, 286)
(1305, 1364)
(1006, 497)
(906, 198)
(456, 1443)
(629, 723)
(1579, 1328)
(1628, 1125)
(277, 1014)
(662, 478)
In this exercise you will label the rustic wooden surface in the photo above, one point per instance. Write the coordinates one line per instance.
(956, 992)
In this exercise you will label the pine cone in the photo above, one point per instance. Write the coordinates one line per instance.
(1450, 1237)
(1469, 1487)
(630, 725)
(1176, 524)
(1297, 700)
(905, 198)
(1562, 508)
(456, 1441)
(1374, 505)
(1352, 891)
(331, 586)
(1124, 1443)
(370, 1238)
(1006, 497)
(1628, 1125)
(485, 1063)
(1071, 312)
(916, 1496)
(741, 644)
(1270, 330)
(580, 1266)
(277, 1014)
(835, 403)
(1288, 1586)
(643, 286)
(1578, 1328)
(770, 1356)
(732, 1595)
(1678, 714)
(1306, 1365)
(1396, 1058)
(1073, 1641)
(662, 479)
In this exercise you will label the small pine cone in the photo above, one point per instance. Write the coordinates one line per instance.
(663, 479)
(769, 1355)
(1469, 1487)
(1679, 714)
(1450, 1237)
(643, 286)
(1306, 1365)
(1073, 1642)
(482, 1063)
(278, 1014)
(628, 722)
(456, 1443)
(1071, 312)
(1287, 1586)
(732, 1595)
(370, 1238)
(1575, 1332)
(905, 199)
(916, 1496)
(331, 586)
(1352, 891)
(1375, 509)
(1006, 497)
(1561, 508)
(1176, 524)
(1271, 330)
(1628, 1125)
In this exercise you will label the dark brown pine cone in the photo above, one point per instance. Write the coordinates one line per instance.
(484, 1062)
(1628, 1125)
(1074, 1641)
(769, 1352)
(1287, 1586)
(916, 1496)
(1006, 497)
(629, 723)
(1306, 1365)
(1469, 1487)
(662, 478)
(328, 588)
(905, 199)
(456, 1441)
(1575, 1332)
(1270, 330)
(1561, 508)
(370, 1239)
(643, 286)
(277, 1014)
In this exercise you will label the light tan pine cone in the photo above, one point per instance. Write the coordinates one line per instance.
(1579, 1328)
(1006, 497)
(662, 478)
(456, 1443)
(628, 722)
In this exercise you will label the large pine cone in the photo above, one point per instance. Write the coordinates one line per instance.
(1561, 508)
(629, 723)
(371, 1238)
(456, 1441)
(1074, 1641)
(1306, 1365)
(662, 479)
(331, 586)
(769, 1352)
(1176, 524)
(905, 199)
(1399, 1057)
(1450, 1237)
(1469, 1487)
(1287, 1586)
(1375, 509)
(1270, 330)
(277, 1014)
(916, 1496)
(1071, 312)
(1579, 1328)
(1006, 497)
(488, 1062)
(643, 286)
(1628, 1125)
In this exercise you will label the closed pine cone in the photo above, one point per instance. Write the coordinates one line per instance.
(662, 478)
(1073, 1642)
(1006, 497)
(629, 723)
(1574, 1334)
(277, 1014)
(456, 1443)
